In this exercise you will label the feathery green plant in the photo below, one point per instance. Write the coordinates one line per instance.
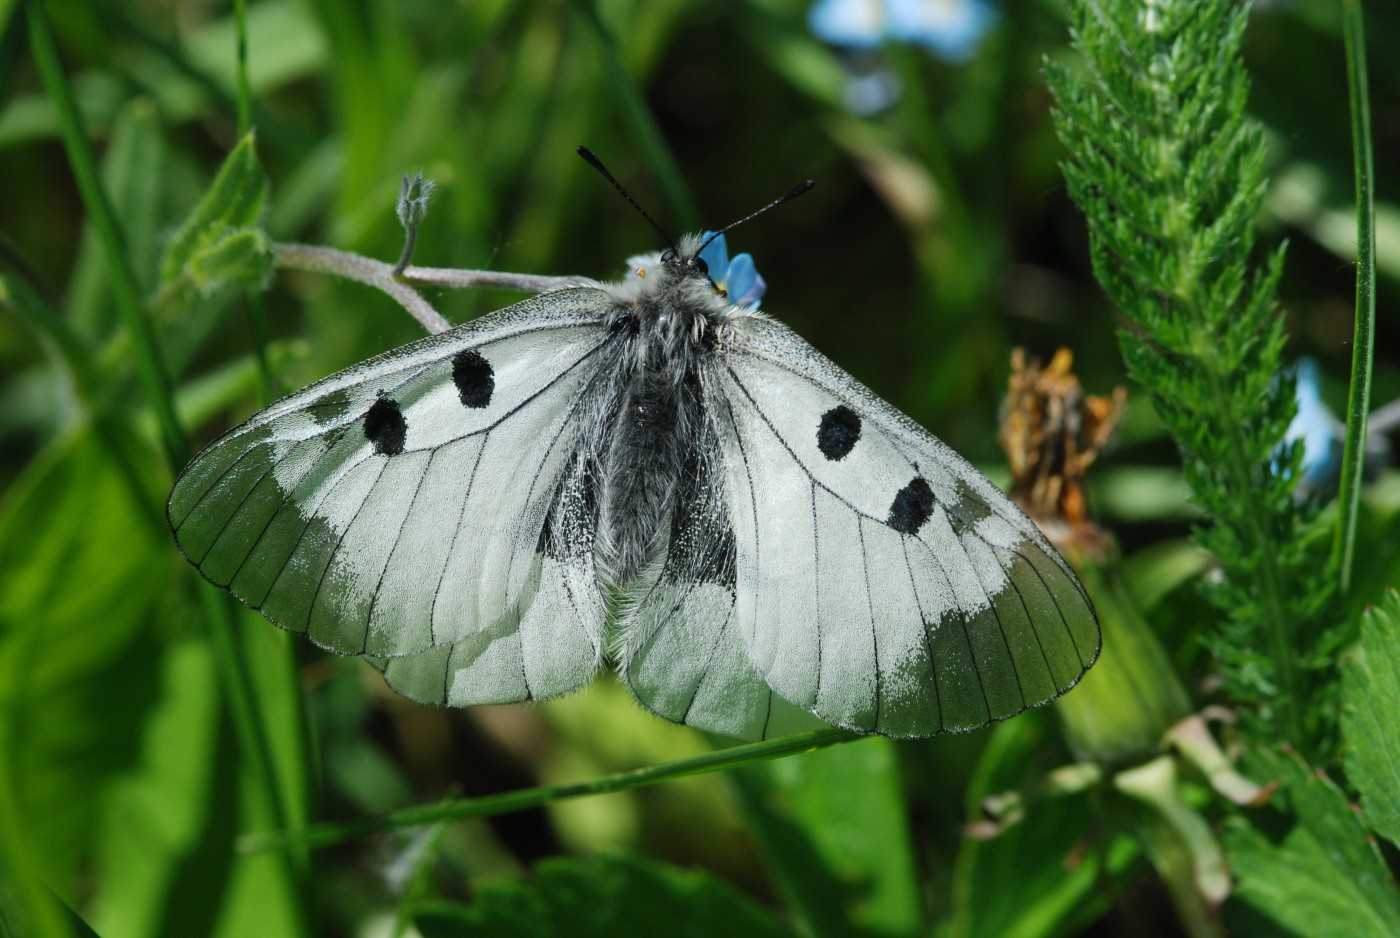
(1169, 171)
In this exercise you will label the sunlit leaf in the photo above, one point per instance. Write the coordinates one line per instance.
(833, 826)
(1325, 878)
(1371, 717)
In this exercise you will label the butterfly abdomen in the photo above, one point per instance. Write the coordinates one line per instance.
(654, 427)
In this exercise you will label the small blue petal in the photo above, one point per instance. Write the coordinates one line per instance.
(715, 255)
(1317, 427)
(949, 28)
(856, 24)
(744, 285)
(871, 93)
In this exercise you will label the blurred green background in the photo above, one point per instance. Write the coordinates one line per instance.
(938, 238)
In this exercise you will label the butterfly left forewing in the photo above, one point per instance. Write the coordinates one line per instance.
(396, 507)
(883, 583)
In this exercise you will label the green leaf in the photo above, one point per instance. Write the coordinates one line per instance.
(137, 194)
(83, 568)
(1122, 707)
(214, 237)
(159, 812)
(231, 257)
(1371, 709)
(838, 859)
(1326, 879)
(1039, 877)
(602, 897)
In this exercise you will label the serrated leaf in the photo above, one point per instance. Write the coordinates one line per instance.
(1326, 879)
(234, 201)
(602, 897)
(1371, 703)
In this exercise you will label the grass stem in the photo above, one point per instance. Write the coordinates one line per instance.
(324, 835)
(1364, 335)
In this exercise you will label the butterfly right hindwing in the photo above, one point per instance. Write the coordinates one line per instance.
(682, 657)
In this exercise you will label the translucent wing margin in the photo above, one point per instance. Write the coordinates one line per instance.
(396, 507)
(883, 583)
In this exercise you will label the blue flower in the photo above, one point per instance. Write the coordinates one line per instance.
(738, 278)
(1318, 428)
(1324, 436)
(951, 29)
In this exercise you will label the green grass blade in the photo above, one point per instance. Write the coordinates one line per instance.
(125, 287)
(252, 301)
(324, 835)
(1363, 342)
(156, 380)
(634, 108)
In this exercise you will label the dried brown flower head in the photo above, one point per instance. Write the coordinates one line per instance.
(1052, 432)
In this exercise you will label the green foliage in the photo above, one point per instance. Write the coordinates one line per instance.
(845, 865)
(1170, 173)
(1371, 704)
(600, 898)
(1325, 878)
(935, 242)
(219, 244)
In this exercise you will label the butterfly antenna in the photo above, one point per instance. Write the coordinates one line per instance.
(592, 160)
(802, 187)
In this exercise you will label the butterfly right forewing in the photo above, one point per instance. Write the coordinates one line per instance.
(883, 583)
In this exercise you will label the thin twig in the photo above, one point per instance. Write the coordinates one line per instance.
(364, 270)
(379, 274)
(455, 278)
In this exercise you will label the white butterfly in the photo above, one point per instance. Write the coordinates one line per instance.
(644, 474)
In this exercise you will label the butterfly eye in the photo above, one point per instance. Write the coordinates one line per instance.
(668, 256)
(699, 264)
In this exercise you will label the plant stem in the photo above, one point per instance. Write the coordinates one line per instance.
(634, 108)
(381, 275)
(245, 94)
(126, 292)
(252, 300)
(125, 289)
(322, 835)
(1363, 342)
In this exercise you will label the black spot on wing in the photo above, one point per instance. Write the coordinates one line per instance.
(912, 506)
(969, 509)
(385, 427)
(838, 432)
(474, 378)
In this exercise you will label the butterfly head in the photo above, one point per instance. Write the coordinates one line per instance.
(685, 264)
